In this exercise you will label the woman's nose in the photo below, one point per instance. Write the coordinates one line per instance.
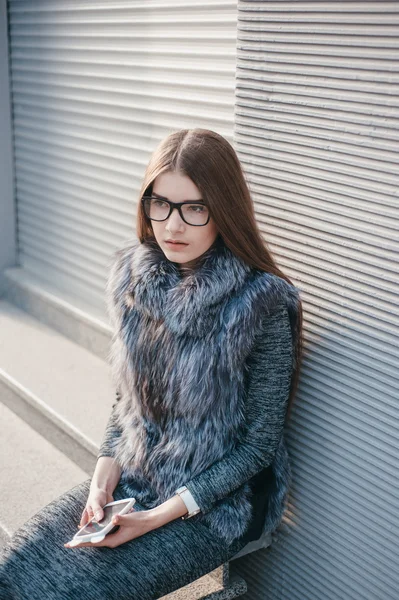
(174, 220)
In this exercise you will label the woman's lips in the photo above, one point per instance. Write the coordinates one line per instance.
(175, 245)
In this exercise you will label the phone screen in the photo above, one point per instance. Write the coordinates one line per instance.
(109, 512)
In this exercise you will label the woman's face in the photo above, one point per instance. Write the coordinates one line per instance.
(177, 187)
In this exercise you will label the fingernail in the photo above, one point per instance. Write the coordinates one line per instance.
(98, 516)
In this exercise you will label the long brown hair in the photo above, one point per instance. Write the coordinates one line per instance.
(210, 161)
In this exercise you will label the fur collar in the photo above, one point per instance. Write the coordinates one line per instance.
(190, 304)
(185, 303)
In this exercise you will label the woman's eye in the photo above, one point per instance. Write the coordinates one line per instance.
(197, 208)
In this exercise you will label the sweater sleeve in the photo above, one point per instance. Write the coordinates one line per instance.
(112, 432)
(270, 366)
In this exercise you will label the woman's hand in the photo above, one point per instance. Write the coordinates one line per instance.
(94, 506)
(131, 526)
(104, 481)
(137, 523)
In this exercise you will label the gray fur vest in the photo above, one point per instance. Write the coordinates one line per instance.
(178, 360)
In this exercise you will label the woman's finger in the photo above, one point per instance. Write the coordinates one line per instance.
(83, 519)
(127, 520)
(104, 542)
(98, 511)
(73, 546)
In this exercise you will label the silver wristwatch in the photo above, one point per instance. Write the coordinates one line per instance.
(189, 501)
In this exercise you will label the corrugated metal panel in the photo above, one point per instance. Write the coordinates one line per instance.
(317, 131)
(95, 87)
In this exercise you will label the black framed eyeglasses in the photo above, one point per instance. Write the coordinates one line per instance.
(160, 209)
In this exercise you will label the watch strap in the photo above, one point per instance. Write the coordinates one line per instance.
(188, 499)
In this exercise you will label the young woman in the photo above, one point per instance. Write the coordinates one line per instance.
(205, 359)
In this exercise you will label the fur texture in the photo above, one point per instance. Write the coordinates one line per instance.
(178, 359)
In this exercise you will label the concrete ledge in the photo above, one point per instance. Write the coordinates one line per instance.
(207, 588)
(65, 390)
(49, 425)
(221, 574)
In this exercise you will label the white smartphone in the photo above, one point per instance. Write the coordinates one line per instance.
(96, 532)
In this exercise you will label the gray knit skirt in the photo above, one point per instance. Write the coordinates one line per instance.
(34, 565)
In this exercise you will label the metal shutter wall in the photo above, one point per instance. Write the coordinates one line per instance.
(317, 133)
(95, 87)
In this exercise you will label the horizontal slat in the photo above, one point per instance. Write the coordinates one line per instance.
(318, 113)
(98, 8)
(321, 72)
(337, 356)
(359, 548)
(60, 254)
(347, 268)
(117, 113)
(167, 103)
(92, 74)
(356, 510)
(358, 471)
(302, 154)
(202, 62)
(121, 108)
(379, 462)
(355, 404)
(69, 283)
(310, 474)
(335, 328)
(133, 130)
(47, 229)
(346, 143)
(90, 152)
(60, 190)
(327, 565)
(106, 230)
(72, 169)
